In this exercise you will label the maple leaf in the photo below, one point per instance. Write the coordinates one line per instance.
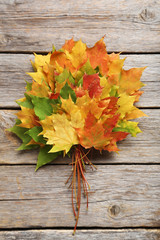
(21, 133)
(44, 157)
(27, 117)
(69, 44)
(135, 113)
(93, 136)
(34, 133)
(91, 83)
(63, 76)
(38, 76)
(66, 91)
(87, 104)
(28, 86)
(106, 87)
(64, 135)
(114, 137)
(47, 124)
(70, 108)
(97, 53)
(39, 90)
(127, 126)
(25, 102)
(86, 68)
(41, 60)
(49, 71)
(77, 56)
(115, 67)
(79, 91)
(125, 103)
(130, 80)
(43, 106)
(109, 123)
(59, 61)
(110, 105)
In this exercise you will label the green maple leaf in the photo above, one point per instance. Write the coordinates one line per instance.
(42, 106)
(27, 103)
(34, 133)
(66, 91)
(28, 86)
(128, 126)
(63, 76)
(44, 157)
(20, 132)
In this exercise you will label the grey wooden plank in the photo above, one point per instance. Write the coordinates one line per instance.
(130, 26)
(142, 149)
(14, 66)
(129, 234)
(122, 196)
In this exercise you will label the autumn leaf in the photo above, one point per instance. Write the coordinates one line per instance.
(67, 91)
(114, 137)
(34, 133)
(106, 87)
(77, 56)
(39, 90)
(38, 76)
(74, 113)
(59, 61)
(97, 53)
(25, 102)
(64, 135)
(69, 44)
(130, 80)
(92, 137)
(91, 83)
(125, 103)
(44, 157)
(20, 132)
(115, 67)
(41, 60)
(27, 117)
(128, 126)
(42, 106)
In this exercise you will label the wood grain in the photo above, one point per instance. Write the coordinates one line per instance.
(130, 26)
(14, 66)
(142, 149)
(129, 234)
(122, 196)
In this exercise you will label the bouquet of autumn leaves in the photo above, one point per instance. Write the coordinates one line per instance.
(80, 98)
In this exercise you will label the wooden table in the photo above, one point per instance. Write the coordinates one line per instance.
(125, 203)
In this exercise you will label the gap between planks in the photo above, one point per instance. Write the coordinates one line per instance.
(82, 234)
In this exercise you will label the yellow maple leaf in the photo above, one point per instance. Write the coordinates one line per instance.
(47, 124)
(27, 117)
(127, 109)
(41, 60)
(86, 104)
(106, 87)
(38, 76)
(125, 103)
(135, 113)
(64, 135)
(115, 66)
(77, 121)
(39, 90)
(130, 80)
(78, 54)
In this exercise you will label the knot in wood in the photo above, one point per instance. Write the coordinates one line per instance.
(114, 210)
(147, 15)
